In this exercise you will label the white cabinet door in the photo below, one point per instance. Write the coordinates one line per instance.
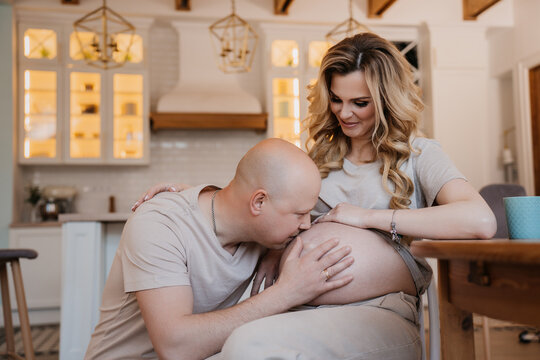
(41, 276)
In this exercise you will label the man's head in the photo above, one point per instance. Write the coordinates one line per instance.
(277, 185)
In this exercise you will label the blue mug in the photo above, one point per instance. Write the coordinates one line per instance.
(523, 217)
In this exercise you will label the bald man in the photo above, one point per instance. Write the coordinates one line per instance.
(185, 259)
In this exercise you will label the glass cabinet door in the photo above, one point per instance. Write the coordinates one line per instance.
(85, 115)
(39, 44)
(128, 130)
(286, 103)
(40, 114)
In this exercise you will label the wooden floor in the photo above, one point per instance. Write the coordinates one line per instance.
(504, 338)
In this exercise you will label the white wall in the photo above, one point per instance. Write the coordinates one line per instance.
(508, 48)
(455, 57)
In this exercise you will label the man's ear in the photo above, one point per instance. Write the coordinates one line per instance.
(257, 201)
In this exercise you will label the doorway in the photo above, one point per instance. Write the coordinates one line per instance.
(534, 83)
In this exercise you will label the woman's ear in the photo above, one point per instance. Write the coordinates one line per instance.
(257, 201)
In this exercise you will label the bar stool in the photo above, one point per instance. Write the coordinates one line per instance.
(12, 256)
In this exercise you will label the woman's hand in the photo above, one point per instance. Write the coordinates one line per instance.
(267, 269)
(156, 189)
(347, 214)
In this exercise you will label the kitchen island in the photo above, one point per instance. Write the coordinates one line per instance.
(89, 242)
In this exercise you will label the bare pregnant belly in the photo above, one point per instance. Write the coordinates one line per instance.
(377, 269)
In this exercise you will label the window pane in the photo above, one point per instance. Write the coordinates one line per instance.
(286, 109)
(128, 116)
(285, 53)
(135, 54)
(316, 51)
(40, 114)
(40, 44)
(85, 39)
(85, 118)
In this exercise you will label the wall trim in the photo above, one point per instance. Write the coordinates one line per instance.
(522, 101)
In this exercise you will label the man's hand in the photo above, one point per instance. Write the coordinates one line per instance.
(267, 270)
(305, 277)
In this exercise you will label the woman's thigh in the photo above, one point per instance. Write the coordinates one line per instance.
(383, 328)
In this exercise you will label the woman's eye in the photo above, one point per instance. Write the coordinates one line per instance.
(335, 100)
(361, 103)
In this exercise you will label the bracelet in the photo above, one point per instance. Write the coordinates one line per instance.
(395, 236)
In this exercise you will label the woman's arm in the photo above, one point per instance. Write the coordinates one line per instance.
(462, 214)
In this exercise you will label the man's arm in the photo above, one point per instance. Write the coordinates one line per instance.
(176, 332)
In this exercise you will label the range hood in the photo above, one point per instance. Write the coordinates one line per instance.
(205, 97)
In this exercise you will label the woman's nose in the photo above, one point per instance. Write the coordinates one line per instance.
(345, 112)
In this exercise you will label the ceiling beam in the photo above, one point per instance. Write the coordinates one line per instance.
(377, 7)
(281, 7)
(183, 5)
(473, 8)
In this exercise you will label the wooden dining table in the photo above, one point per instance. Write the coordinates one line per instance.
(498, 278)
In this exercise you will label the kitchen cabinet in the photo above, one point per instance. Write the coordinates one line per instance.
(42, 275)
(73, 113)
(294, 57)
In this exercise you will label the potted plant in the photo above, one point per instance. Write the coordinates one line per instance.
(34, 196)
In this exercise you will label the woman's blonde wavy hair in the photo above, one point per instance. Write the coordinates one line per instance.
(397, 111)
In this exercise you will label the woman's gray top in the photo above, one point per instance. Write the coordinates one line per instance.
(361, 185)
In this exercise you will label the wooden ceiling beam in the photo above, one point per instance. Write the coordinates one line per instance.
(473, 8)
(281, 7)
(183, 5)
(377, 7)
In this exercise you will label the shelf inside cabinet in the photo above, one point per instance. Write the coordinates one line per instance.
(161, 121)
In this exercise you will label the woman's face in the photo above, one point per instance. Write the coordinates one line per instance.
(352, 104)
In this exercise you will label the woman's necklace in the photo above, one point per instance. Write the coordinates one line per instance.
(213, 212)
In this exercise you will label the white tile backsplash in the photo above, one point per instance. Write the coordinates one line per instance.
(192, 157)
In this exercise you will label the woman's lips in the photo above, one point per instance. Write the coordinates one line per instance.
(348, 124)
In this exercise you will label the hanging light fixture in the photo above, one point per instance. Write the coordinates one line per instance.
(345, 29)
(234, 42)
(106, 29)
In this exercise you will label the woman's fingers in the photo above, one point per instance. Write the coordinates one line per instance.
(156, 189)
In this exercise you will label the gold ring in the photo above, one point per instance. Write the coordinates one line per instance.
(326, 274)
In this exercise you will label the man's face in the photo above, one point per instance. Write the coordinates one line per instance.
(285, 217)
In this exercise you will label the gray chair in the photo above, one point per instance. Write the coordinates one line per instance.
(493, 195)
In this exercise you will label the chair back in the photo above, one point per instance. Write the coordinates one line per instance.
(493, 194)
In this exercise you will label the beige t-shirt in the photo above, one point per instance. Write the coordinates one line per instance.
(168, 241)
(361, 185)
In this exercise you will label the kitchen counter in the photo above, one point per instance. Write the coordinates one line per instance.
(17, 225)
(100, 217)
(89, 243)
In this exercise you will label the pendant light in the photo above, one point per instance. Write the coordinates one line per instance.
(234, 42)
